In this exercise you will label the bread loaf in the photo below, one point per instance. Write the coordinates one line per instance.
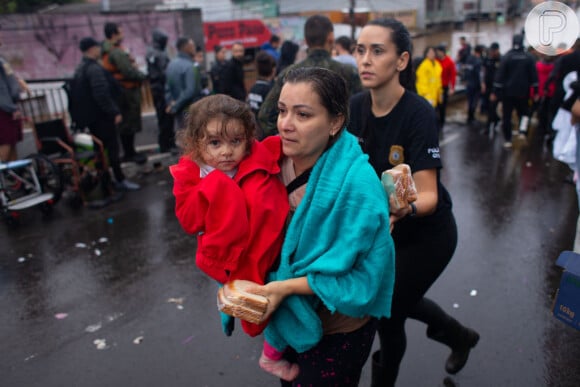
(400, 186)
(233, 299)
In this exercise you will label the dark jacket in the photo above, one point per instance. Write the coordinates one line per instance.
(233, 80)
(516, 75)
(183, 85)
(473, 73)
(216, 74)
(157, 61)
(91, 95)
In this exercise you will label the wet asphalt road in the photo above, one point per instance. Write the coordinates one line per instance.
(135, 292)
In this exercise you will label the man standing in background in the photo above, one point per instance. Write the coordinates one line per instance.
(233, 75)
(343, 46)
(319, 37)
(217, 69)
(122, 66)
(183, 85)
(94, 107)
(157, 61)
(271, 47)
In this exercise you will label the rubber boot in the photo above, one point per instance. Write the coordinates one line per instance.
(457, 337)
(381, 375)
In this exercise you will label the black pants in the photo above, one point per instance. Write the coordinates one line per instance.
(473, 96)
(106, 131)
(337, 360)
(420, 260)
(508, 106)
(166, 136)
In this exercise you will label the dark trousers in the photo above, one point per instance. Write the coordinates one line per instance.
(420, 261)
(337, 360)
(473, 96)
(106, 131)
(508, 105)
(492, 116)
(166, 136)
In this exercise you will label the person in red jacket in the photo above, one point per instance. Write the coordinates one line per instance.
(448, 78)
(546, 89)
(227, 191)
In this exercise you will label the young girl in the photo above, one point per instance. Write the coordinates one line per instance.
(227, 192)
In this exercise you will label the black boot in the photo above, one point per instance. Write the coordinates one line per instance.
(381, 375)
(460, 339)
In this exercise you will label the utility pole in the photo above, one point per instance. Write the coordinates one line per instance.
(352, 19)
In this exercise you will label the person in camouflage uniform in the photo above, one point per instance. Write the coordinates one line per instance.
(319, 36)
(122, 67)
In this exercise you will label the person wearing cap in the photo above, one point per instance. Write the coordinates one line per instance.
(95, 107)
(515, 78)
(448, 79)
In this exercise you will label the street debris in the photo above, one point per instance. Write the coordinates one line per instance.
(473, 293)
(21, 259)
(61, 316)
(138, 340)
(81, 245)
(94, 327)
(98, 252)
(177, 301)
(110, 221)
(101, 344)
(103, 240)
(456, 305)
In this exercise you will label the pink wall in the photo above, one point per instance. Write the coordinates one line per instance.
(46, 46)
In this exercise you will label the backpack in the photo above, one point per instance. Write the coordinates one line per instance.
(73, 88)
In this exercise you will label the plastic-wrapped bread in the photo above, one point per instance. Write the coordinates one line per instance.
(400, 186)
(233, 299)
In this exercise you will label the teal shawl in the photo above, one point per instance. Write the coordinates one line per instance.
(339, 239)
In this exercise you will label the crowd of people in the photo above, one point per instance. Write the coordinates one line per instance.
(280, 181)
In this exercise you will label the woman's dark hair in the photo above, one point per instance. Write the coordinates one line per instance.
(288, 53)
(218, 106)
(402, 40)
(330, 87)
(426, 51)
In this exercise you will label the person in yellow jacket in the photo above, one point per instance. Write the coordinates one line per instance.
(428, 78)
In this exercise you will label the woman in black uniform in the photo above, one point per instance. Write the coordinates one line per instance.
(397, 126)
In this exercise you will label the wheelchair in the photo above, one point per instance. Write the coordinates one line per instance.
(81, 160)
(25, 183)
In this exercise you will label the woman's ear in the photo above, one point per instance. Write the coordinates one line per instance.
(403, 61)
(336, 125)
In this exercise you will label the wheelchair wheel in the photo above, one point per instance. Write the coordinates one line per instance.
(49, 175)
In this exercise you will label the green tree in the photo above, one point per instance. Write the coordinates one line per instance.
(26, 6)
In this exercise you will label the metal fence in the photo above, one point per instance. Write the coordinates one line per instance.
(46, 99)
